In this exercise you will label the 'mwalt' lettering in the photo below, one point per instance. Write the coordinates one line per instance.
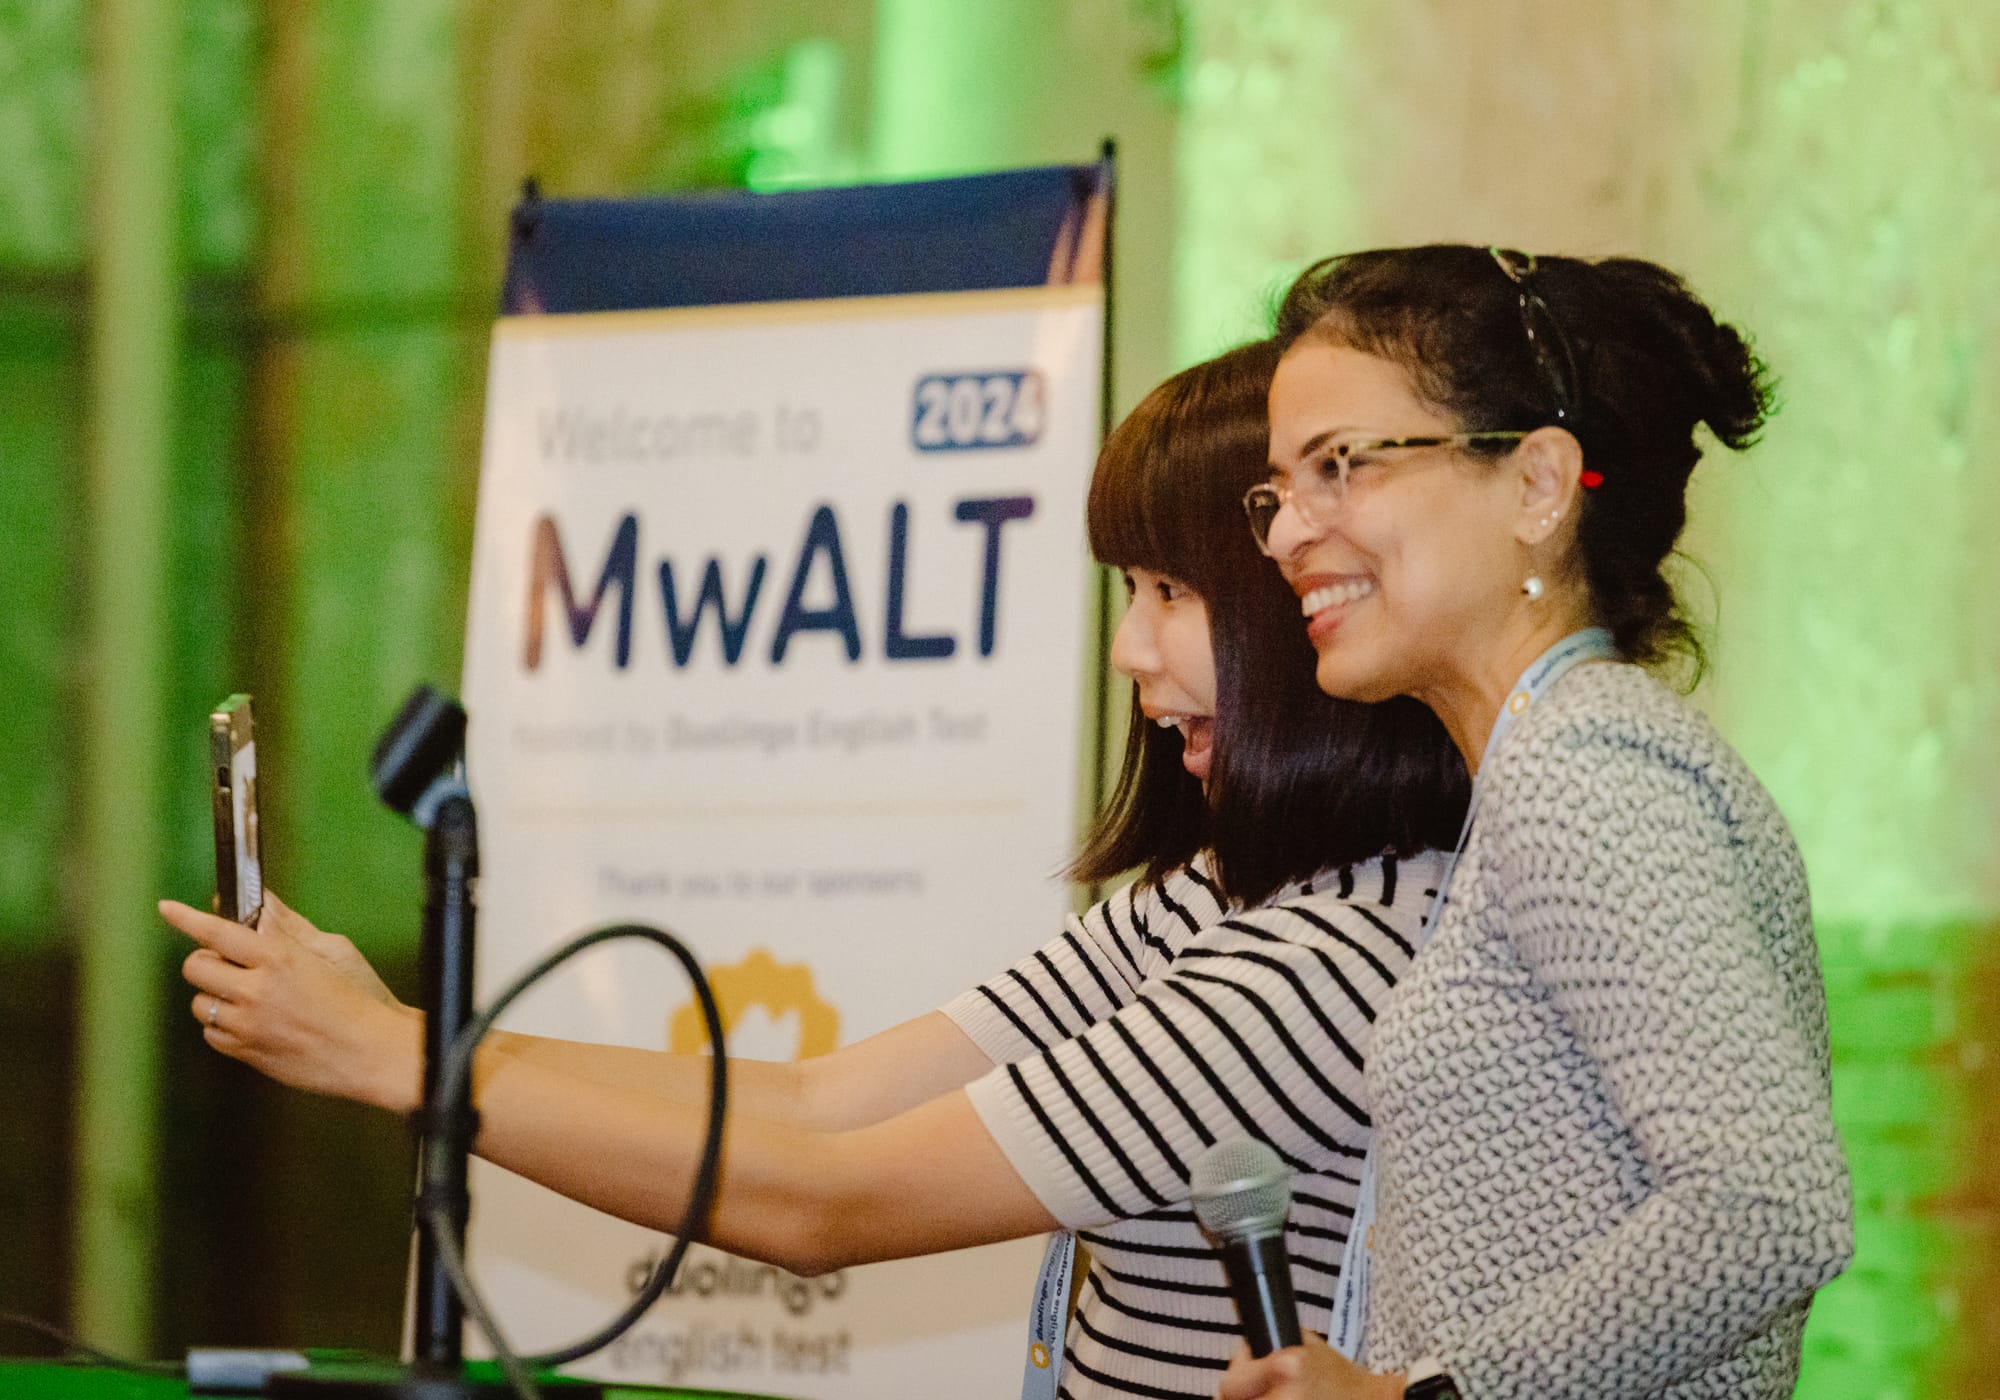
(822, 537)
(821, 571)
(993, 514)
(681, 635)
(546, 566)
(895, 644)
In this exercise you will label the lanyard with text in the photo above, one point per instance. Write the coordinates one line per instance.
(1049, 1322)
(1350, 1292)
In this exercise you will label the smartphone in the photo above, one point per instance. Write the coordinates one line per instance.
(239, 855)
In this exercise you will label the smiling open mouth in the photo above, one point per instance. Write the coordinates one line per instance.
(1335, 595)
(1197, 740)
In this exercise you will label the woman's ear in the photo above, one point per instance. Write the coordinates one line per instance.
(1550, 465)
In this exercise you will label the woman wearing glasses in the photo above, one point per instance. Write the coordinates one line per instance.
(1604, 1161)
(1288, 844)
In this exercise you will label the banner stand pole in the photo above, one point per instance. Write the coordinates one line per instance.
(1100, 744)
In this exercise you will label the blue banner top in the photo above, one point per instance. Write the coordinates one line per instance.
(1018, 228)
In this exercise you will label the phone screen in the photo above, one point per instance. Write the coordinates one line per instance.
(239, 862)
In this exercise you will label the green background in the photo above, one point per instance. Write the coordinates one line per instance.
(248, 259)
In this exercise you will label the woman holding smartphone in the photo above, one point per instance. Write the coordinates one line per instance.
(1285, 843)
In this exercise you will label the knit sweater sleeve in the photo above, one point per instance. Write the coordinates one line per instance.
(1624, 897)
(1258, 1029)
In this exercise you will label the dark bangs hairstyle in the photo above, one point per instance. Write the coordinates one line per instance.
(1652, 364)
(1299, 781)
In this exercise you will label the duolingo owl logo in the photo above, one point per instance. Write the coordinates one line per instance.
(760, 982)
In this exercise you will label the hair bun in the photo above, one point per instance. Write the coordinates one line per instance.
(1713, 373)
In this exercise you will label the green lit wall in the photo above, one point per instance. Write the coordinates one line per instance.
(340, 177)
(1827, 170)
(1861, 670)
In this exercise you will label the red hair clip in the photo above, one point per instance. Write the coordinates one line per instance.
(1591, 480)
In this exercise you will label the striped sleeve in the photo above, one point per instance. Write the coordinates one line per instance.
(1258, 1029)
(1094, 967)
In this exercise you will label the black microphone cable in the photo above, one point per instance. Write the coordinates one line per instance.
(451, 1089)
(453, 1097)
(82, 1353)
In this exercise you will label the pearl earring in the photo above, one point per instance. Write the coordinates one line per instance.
(1532, 586)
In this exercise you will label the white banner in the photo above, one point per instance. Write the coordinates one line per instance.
(776, 639)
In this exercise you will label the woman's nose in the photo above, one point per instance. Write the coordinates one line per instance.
(1289, 532)
(1132, 651)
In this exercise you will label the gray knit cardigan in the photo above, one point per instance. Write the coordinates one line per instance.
(1607, 1161)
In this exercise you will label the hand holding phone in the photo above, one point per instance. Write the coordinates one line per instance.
(239, 862)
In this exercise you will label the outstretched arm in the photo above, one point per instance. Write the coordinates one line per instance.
(803, 1195)
(926, 1180)
(866, 1082)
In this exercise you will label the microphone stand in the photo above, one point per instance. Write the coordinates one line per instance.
(451, 873)
(419, 770)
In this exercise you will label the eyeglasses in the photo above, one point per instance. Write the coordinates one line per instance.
(1318, 489)
(1554, 357)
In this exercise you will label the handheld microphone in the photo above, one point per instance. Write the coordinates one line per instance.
(1241, 1194)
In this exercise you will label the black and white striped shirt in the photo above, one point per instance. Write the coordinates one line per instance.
(1162, 1021)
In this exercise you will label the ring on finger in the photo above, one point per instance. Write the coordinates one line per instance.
(214, 1009)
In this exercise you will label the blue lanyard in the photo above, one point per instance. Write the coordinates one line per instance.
(1350, 1292)
(1048, 1323)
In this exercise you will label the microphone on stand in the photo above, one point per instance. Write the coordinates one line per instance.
(1242, 1193)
